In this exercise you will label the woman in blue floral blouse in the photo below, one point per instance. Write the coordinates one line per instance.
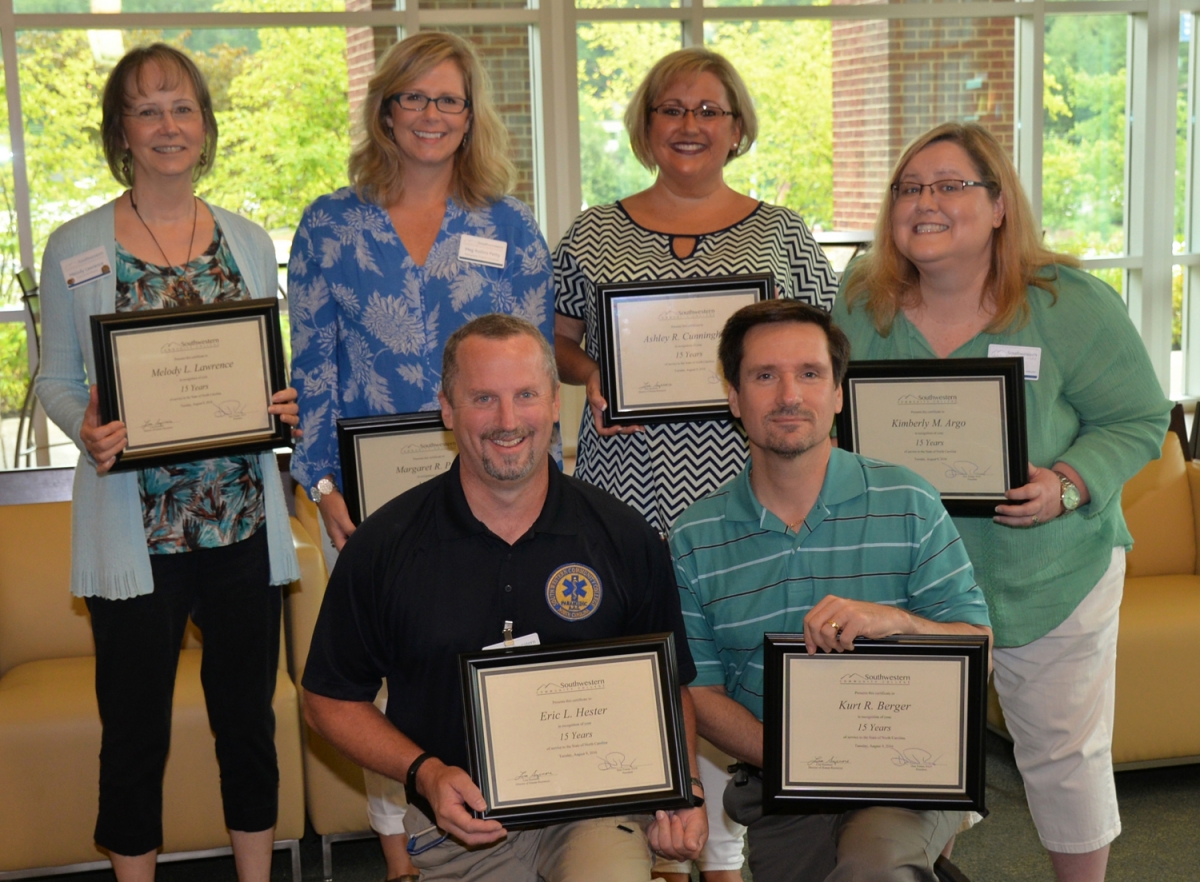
(384, 271)
(207, 539)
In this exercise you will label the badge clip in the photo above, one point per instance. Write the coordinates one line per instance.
(508, 637)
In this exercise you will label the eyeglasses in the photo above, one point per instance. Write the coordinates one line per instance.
(149, 115)
(910, 191)
(706, 112)
(418, 102)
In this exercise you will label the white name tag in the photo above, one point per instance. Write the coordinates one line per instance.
(527, 640)
(476, 249)
(86, 267)
(1031, 354)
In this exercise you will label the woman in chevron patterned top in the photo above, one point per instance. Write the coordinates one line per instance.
(690, 116)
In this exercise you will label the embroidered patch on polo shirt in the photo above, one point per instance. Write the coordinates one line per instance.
(573, 591)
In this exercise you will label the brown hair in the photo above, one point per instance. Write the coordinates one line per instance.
(733, 336)
(482, 170)
(688, 62)
(888, 282)
(127, 78)
(494, 326)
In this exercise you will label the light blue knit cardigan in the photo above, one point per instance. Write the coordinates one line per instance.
(109, 556)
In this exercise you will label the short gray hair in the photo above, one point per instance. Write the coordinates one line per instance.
(494, 326)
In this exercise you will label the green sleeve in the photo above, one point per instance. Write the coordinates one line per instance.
(1112, 386)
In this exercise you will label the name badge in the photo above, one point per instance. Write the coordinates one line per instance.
(86, 267)
(1031, 354)
(527, 640)
(476, 249)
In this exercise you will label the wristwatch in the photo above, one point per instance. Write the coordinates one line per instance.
(322, 489)
(1070, 493)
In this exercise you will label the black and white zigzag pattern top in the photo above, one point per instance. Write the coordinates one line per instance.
(664, 469)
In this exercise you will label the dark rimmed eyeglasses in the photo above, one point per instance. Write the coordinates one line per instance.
(706, 112)
(910, 191)
(418, 102)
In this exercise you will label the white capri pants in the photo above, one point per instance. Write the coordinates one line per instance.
(1058, 694)
(723, 851)
(386, 803)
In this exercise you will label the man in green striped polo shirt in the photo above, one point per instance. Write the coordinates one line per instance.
(812, 538)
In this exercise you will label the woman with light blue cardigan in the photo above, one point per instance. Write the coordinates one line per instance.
(207, 539)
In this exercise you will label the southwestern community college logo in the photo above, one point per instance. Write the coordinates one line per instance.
(573, 592)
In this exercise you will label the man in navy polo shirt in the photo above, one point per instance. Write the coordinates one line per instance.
(503, 537)
(815, 539)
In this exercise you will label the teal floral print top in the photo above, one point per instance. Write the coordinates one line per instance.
(206, 503)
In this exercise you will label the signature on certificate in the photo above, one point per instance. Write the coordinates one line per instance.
(235, 410)
(916, 757)
(827, 762)
(534, 777)
(654, 387)
(156, 425)
(963, 469)
(616, 762)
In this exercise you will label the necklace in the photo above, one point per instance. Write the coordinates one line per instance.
(182, 268)
(795, 528)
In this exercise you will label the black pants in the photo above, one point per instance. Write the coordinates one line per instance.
(227, 593)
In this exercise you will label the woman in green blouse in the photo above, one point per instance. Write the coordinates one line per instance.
(957, 270)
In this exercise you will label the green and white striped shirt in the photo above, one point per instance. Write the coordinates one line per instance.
(877, 532)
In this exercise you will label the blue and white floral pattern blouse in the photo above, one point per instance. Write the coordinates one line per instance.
(369, 324)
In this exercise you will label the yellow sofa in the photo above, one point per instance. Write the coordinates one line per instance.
(1156, 722)
(333, 785)
(50, 726)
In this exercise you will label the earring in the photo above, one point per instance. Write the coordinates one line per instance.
(204, 157)
(126, 165)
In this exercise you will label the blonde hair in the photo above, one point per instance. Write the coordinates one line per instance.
(889, 282)
(688, 62)
(482, 170)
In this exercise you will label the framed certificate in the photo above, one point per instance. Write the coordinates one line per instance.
(658, 346)
(384, 456)
(191, 382)
(898, 721)
(578, 730)
(959, 423)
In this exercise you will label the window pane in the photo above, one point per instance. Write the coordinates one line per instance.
(613, 58)
(625, 4)
(893, 81)
(787, 65)
(280, 96)
(1083, 164)
(504, 52)
(816, 2)
(1182, 128)
(114, 6)
(468, 4)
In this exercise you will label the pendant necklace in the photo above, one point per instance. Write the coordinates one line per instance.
(188, 293)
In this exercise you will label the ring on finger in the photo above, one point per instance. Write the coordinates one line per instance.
(1035, 521)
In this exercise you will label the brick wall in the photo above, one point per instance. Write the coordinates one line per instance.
(504, 52)
(894, 80)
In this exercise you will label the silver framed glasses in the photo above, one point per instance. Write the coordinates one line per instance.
(418, 102)
(151, 115)
(910, 191)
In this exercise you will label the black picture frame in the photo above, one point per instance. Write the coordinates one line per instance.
(783, 797)
(353, 433)
(477, 668)
(946, 374)
(687, 292)
(263, 312)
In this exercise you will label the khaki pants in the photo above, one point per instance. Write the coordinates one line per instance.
(596, 850)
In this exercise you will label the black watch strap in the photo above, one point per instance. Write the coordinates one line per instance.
(410, 780)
